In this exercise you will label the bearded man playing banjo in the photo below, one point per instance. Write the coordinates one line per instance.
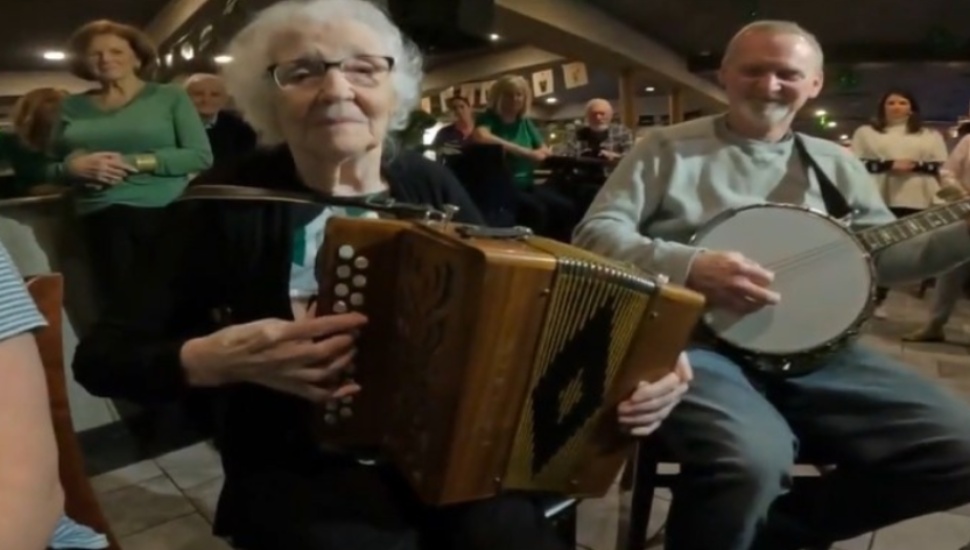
(786, 236)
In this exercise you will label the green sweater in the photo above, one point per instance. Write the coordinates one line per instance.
(522, 132)
(28, 165)
(159, 121)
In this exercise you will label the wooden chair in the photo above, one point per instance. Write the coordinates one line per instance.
(642, 478)
(81, 503)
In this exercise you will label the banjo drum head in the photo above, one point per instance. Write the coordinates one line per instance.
(822, 273)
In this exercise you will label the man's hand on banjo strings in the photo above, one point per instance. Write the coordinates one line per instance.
(730, 281)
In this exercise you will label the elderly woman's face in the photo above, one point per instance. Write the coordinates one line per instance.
(111, 58)
(342, 111)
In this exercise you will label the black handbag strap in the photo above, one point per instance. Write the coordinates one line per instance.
(835, 203)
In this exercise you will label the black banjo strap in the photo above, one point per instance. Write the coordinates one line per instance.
(835, 202)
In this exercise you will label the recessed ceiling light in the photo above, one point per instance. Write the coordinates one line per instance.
(650, 88)
(223, 59)
(821, 112)
(844, 136)
(493, 37)
(832, 124)
(551, 100)
(54, 56)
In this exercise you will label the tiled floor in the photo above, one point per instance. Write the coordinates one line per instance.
(167, 504)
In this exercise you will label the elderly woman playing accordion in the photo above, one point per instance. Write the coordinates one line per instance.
(323, 82)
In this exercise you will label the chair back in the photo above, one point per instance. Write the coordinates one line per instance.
(482, 171)
(80, 502)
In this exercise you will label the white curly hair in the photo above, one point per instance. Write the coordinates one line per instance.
(247, 80)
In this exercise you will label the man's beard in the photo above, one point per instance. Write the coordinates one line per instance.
(767, 113)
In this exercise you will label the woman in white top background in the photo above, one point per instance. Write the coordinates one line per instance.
(903, 157)
(949, 287)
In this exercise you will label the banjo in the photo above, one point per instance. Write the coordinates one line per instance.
(823, 271)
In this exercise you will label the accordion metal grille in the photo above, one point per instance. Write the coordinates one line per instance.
(594, 312)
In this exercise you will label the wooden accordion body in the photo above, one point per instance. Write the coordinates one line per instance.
(493, 361)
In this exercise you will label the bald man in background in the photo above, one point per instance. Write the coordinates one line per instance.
(229, 135)
(600, 137)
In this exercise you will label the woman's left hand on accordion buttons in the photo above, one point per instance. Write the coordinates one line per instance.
(651, 403)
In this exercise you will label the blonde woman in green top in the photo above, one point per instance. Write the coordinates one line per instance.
(506, 122)
(25, 148)
(127, 147)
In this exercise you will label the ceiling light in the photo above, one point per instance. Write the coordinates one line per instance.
(821, 112)
(551, 100)
(493, 37)
(844, 136)
(832, 124)
(54, 56)
(223, 59)
(650, 88)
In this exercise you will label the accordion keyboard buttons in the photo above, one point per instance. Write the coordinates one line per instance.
(346, 300)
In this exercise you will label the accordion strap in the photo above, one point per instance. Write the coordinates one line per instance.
(380, 204)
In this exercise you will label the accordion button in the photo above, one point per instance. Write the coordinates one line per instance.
(356, 299)
(331, 406)
(346, 252)
(361, 262)
(341, 290)
(346, 413)
(340, 307)
(347, 400)
(330, 419)
(359, 281)
(343, 271)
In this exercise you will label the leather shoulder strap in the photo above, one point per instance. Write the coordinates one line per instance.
(386, 205)
(835, 202)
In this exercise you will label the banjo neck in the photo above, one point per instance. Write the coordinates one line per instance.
(903, 229)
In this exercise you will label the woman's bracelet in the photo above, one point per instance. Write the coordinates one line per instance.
(146, 163)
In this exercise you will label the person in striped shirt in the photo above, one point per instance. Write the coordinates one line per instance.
(31, 498)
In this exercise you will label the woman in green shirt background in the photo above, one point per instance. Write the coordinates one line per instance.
(127, 147)
(506, 123)
(24, 150)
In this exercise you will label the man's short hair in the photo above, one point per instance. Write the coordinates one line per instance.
(776, 27)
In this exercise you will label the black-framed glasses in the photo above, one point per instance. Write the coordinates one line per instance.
(359, 70)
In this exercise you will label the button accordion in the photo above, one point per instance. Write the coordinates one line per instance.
(493, 360)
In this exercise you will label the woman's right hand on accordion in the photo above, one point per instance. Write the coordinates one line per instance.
(302, 358)
(652, 402)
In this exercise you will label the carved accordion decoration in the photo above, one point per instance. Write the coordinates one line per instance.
(492, 361)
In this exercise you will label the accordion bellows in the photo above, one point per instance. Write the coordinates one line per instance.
(493, 361)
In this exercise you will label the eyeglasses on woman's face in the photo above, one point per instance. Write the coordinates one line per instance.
(360, 70)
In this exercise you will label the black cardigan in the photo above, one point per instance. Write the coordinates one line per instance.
(230, 256)
(230, 138)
